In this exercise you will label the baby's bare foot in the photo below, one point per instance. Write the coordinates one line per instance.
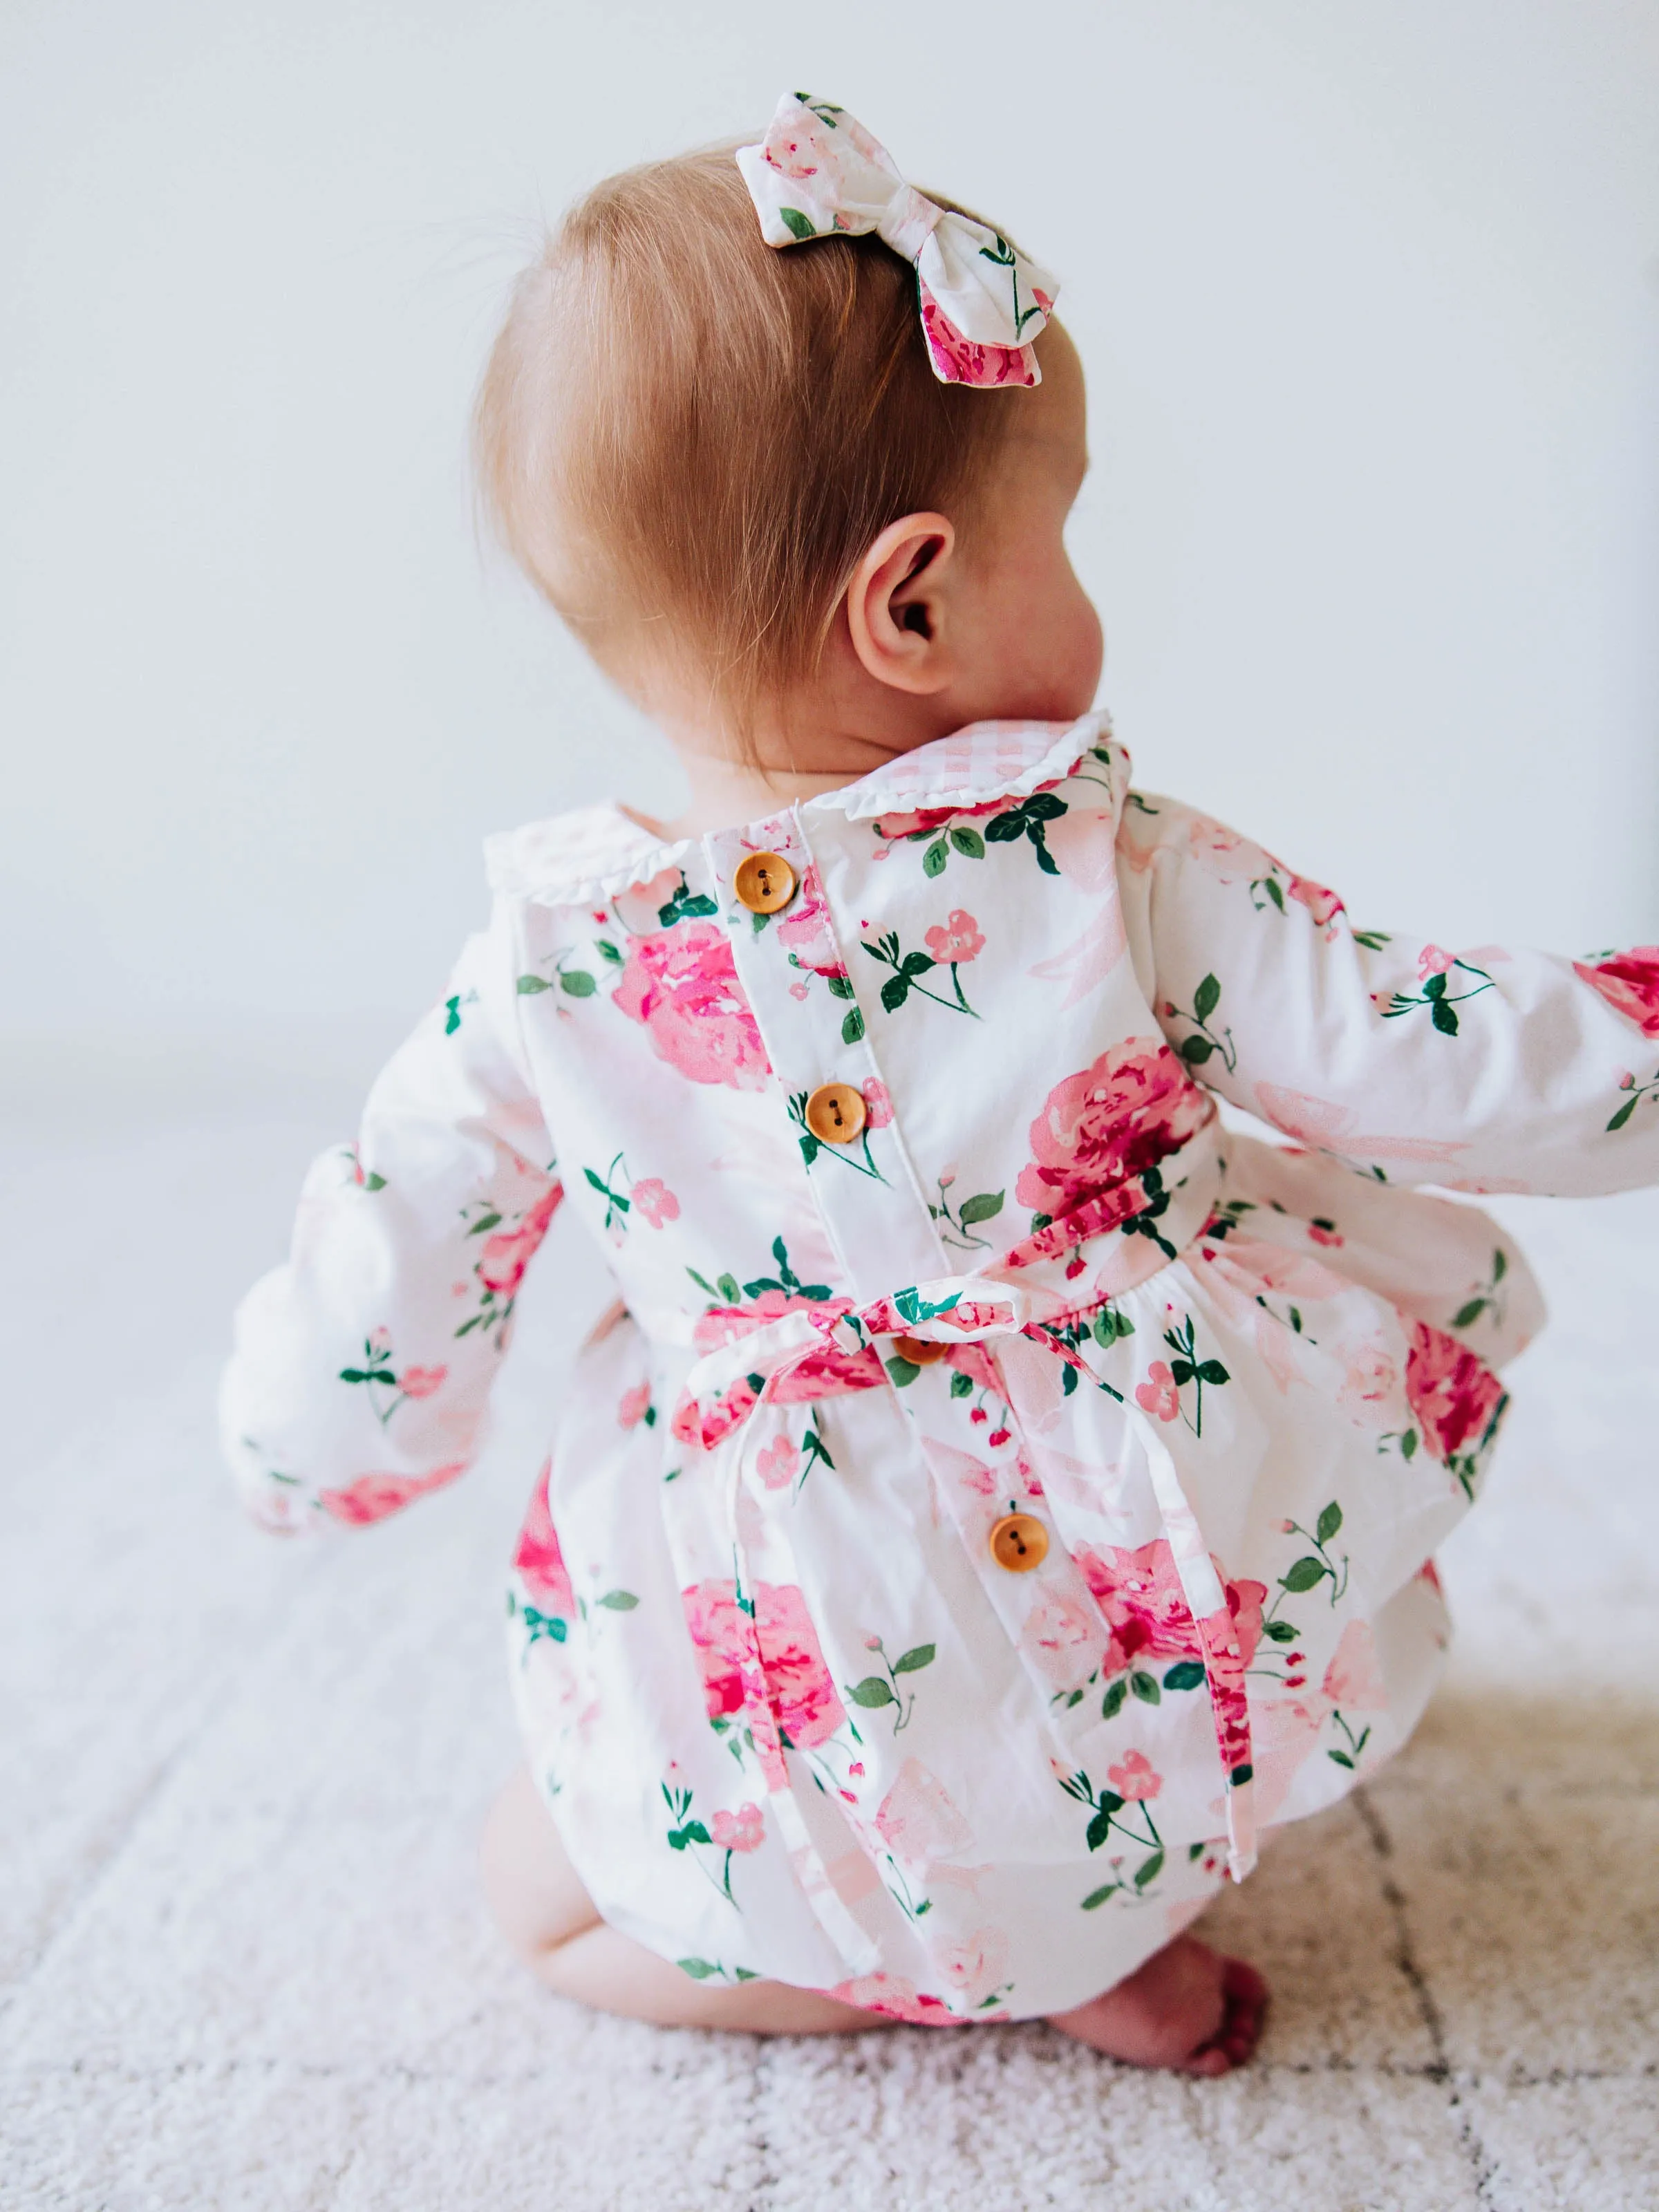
(1188, 2007)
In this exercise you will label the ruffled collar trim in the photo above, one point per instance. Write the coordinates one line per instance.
(595, 851)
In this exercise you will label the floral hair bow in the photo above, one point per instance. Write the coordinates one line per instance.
(818, 172)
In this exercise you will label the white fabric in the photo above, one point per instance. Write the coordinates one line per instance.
(772, 1678)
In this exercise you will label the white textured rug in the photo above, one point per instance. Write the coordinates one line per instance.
(242, 1958)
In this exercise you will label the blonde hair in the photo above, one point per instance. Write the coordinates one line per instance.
(687, 438)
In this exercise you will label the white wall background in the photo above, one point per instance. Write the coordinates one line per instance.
(1369, 294)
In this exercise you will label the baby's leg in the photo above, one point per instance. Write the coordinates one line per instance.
(546, 1914)
(1188, 2007)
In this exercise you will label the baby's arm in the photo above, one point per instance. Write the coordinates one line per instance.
(362, 1368)
(1487, 1069)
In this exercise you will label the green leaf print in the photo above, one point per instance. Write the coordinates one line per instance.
(1149, 1870)
(699, 1969)
(913, 1661)
(1112, 1703)
(851, 1027)
(1207, 999)
(872, 1692)
(934, 860)
(985, 1205)
(801, 226)
(1302, 1575)
(1145, 1689)
(578, 982)
(618, 1601)
(1185, 1674)
(961, 1386)
(1328, 1521)
(968, 842)
(1030, 820)
(903, 1371)
(529, 985)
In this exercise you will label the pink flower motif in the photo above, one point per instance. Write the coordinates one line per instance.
(975, 1965)
(683, 984)
(1354, 1678)
(1116, 1118)
(895, 1998)
(1456, 1396)
(960, 359)
(917, 1822)
(654, 1199)
(799, 989)
(507, 1254)
(878, 1104)
(1141, 1593)
(422, 1381)
(1323, 904)
(380, 1341)
(1629, 982)
(1433, 960)
(958, 939)
(1157, 1395)
(539, 1562)
(1135, 1780)
(742, 1831)
(777, 1463)
(1062, 1633)
(806, 929)
(925, 819)
(1329, 1238)
(371, 1496)
(633, 1406)
(1370, 1384)
(772, 1661)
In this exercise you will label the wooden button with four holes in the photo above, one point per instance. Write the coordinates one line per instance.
(764, 882)
(836, 1114)
(1019, 1542)
(918, 1350)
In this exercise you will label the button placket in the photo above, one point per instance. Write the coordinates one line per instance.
(791, 962)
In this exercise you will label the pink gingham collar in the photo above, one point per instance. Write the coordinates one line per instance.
(595, 851)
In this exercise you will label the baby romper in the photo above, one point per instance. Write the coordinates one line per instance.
(1009, 1491)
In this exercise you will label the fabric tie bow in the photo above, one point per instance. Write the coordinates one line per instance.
(818, 172)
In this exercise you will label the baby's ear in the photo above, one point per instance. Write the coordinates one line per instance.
(896, 603)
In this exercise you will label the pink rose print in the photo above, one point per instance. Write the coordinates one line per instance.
(683, 984)
(422, 1381)
(1629, 982)
(878, 1104)
(778, 1462)
(1135, 1779)
(959, 360)
(507, 1254)
(790, 1680)
(1323, 904)
(805, 931)
(371, 1496)
(975, 1965)
(923, 821)
(895, 1998)
(742, 1831)
(917, 1820)
(538, 1560)
(654, 1199)
(958, 939)
(634, 1405)
(1061, 1634)
(1115, 1119)
(1354, 1678)
(1140, 1592)
(1157, 1395)
(1456, 1396)
(1370, 1384)
(1433, 961)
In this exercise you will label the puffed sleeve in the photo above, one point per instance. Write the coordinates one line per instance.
(1483, 1069)
(361, 1369)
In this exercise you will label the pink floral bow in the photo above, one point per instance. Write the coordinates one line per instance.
(818, 171)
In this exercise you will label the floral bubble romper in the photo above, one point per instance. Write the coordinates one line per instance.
(1008, 1491)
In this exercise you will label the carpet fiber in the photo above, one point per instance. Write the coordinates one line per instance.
(243, 1962)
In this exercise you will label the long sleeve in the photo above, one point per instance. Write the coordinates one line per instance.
(1486, 1069)
(362, 1369)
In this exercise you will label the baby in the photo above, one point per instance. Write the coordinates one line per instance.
(1003, 1493)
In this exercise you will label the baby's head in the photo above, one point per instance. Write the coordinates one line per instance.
(735, 474)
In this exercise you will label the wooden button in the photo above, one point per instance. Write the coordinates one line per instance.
(918, 1350)
(835, 1114)
(764, 882)
(1019, 1542)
